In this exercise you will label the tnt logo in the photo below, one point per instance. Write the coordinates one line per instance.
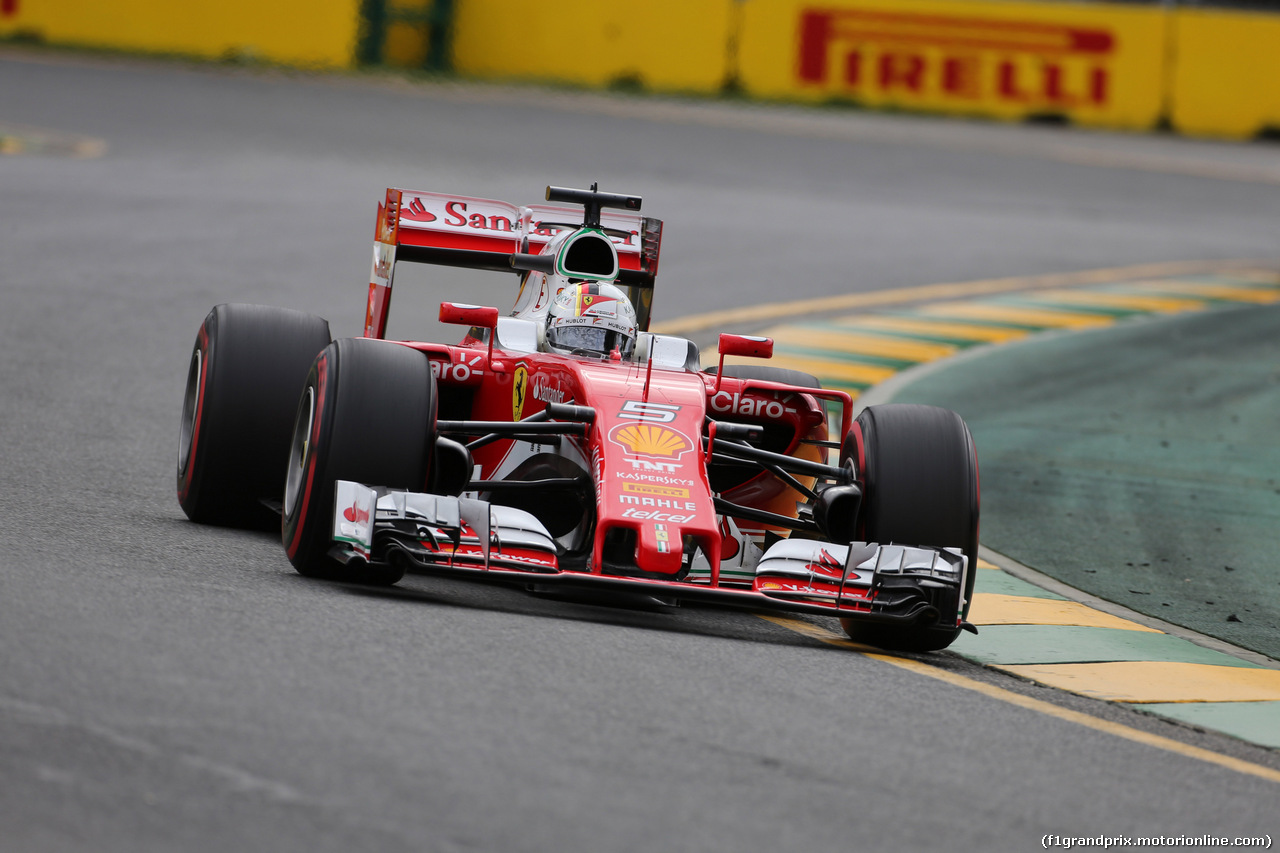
(950, 58)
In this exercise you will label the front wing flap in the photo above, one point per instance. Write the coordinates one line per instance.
(381, 525)
(867, 577)
(473, 538)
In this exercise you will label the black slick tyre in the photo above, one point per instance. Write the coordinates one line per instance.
(247, 365)
(919, 473)
(367, 414)
(768, 373)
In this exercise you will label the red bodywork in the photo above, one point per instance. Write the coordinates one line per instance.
(648, 451)
(645, 451)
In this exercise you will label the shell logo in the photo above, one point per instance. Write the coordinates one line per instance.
(649, 440)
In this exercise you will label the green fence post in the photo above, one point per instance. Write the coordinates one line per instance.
(373, 32)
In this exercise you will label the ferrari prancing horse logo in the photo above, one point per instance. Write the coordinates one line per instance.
(519, 390)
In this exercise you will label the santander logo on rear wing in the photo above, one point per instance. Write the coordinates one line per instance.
(481, 233)
(463, 222)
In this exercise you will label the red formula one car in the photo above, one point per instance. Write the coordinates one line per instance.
(563, 446)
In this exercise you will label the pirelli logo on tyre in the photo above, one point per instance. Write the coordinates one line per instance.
(884, 53)
(655, 491)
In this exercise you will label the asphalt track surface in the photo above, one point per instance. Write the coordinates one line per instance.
(168, 686)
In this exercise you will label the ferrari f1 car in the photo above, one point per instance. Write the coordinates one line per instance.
(564, 446)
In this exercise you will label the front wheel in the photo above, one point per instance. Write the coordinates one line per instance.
(367, 414)
(919, 473)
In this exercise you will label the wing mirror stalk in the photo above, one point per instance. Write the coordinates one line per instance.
(476, 316)
(750, 346)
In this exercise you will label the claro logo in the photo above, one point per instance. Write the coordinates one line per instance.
(955, 58)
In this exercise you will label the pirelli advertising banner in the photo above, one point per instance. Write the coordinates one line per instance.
(306, 33)
(1093, 64)
(1226, 75)
(658, 45)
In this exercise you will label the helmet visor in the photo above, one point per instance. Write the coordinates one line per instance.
(590, 338)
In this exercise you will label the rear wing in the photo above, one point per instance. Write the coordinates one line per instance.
(484, 234)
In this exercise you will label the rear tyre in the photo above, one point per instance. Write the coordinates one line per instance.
(767, 373)
(246, 367)
(919, 473)
(367, 414)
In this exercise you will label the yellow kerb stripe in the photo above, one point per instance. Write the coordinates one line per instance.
(1157, 681)
(937, 328)
(897, 296)
(1042, 317)
(1260, 276)
(868, 374)
(991, 608)
(852, 342)
(1038, 705)
(1255, 295)
(1123, 301)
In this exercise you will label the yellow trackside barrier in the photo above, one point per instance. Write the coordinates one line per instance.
(319, 33)
(1226, 79)
(664, 45)
(1203, 71)
(1094, 64)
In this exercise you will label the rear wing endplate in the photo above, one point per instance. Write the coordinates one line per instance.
(484, 234)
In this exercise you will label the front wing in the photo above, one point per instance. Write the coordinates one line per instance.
(865, 581)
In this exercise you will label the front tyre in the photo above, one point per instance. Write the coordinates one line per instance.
(919, 473)
(246, 367)
(367, 414)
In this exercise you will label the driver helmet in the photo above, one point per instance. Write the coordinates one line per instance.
(592, 318)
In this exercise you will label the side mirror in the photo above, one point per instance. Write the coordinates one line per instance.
(460, 314)
(745, 345)
(750, 346)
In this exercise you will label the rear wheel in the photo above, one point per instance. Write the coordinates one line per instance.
(246, 367)
(768, 373)
(919, 471)
(367, 414)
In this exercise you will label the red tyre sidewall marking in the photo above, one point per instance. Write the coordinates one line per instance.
(862, 451)
(431, 420)
(202, 344)
(322, 372)
(977, 491)
(862, 471)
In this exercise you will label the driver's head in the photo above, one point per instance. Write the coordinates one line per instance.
(591, 319)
